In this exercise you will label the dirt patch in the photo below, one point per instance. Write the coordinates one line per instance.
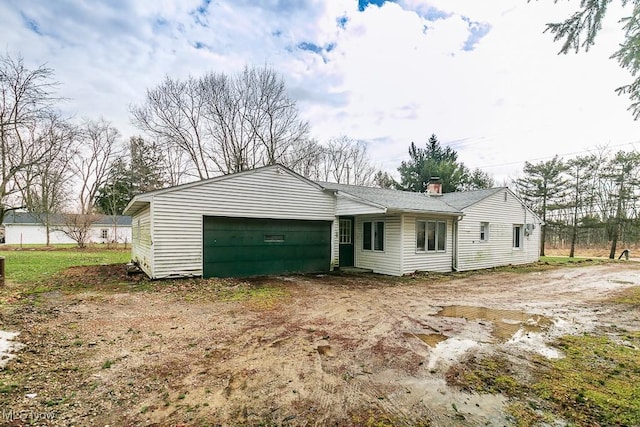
(300, 350)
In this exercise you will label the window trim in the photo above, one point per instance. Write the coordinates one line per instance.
(348, 230)
(517, 238)
(436, 241)
(484, 229)
(374, 229)
(104, 233)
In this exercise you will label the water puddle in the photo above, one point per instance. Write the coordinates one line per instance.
(506, 323)
(429, 339)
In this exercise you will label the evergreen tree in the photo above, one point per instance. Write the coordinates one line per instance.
(147, 173)
(542, 186)
(579, 31)
(114, 195)
(580, 170)
(622, 174)
(137, 172)
(442, 162)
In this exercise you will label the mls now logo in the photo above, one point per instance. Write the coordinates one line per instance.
(26, 415)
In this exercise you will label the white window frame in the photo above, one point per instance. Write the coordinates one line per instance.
(345, 231)
(484, 231)
(104, 233)
(518, 236)
(437, 228)
(373, 243)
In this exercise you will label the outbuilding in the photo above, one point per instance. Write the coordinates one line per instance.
(26, 228)
(271, 220)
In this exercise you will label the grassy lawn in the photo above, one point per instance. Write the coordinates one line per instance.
(32, 266)
(565, 259)
(596, 383)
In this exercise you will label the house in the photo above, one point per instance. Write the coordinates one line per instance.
(271, 220)
(27, 228)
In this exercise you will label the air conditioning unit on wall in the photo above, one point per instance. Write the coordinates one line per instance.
(528, 229)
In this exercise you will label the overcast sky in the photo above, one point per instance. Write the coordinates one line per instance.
(481, 75)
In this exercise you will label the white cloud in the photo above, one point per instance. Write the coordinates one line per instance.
(389, 75)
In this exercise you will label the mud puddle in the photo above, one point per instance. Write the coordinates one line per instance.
(429, 339)
(506, 323)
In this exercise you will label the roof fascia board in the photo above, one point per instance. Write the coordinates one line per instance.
(427, 212)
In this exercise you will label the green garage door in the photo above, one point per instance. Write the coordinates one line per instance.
(235, 247)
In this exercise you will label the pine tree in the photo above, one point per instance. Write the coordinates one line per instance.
(442, 162)
(541, 187)
(139, 171)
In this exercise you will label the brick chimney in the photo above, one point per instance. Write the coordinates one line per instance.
(434, 187)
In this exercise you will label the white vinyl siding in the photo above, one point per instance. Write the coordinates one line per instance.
(335, 245)
(263, 193)
(422, 260)
(141, 251)
(349, 206)
(36, 234)
(501, 211)
(386, 261)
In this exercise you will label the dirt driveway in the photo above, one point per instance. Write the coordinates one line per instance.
(302, 350)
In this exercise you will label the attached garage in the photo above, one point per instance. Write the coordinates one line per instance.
(258, 246)
(263, 221)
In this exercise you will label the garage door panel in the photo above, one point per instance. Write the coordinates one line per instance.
(250, 246)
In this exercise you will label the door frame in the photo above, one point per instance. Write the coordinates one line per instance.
(341, 259)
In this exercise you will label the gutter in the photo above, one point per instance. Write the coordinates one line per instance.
(427, 212)
(454, 254)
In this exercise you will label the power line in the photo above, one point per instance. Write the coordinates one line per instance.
(559, 155)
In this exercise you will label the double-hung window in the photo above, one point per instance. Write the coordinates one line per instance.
(373, 235)
(517, 236)
(431, 236)
(484, 231)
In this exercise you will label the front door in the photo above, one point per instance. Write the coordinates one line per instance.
(346, 240)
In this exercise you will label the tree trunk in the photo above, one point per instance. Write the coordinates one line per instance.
(614, 243)
(543, 230)
(616, 226)
(574, 231)
(574, 237)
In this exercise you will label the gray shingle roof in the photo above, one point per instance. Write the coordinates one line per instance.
(396, 199)
(28, 218)
(463, 199)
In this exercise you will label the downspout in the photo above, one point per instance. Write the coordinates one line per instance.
(454, 253)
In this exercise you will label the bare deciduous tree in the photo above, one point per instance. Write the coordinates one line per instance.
(78, 227)
(45, 186)
(99, 147)
(173, 114)
(26, 98)
(223, 124)
(342, 160)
